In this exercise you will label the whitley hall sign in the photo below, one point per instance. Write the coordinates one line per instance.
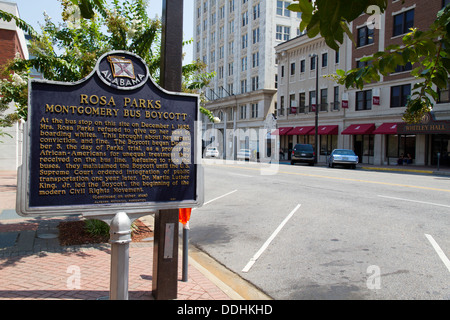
(428, 125)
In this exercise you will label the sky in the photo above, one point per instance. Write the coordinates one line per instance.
(31, 11)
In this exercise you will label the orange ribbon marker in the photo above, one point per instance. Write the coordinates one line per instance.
(184, 215)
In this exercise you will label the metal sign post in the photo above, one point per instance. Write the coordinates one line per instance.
(165, 267)
(120, 238)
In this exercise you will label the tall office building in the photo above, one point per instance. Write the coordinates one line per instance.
(236, 39)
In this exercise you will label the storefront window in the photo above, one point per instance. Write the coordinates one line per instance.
(392, 146)
(403, 144)
(408, 145)
(327, 144)
(363, 147)
(440, 144)
(368, 145)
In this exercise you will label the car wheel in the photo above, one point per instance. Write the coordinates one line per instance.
(332, 165)
(292, 163)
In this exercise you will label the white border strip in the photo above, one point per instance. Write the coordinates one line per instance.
(268, 241)
(423, 202)
(439, 251)
(224, 195)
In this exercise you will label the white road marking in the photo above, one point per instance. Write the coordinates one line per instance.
(224, 195)
(240, 175)
(269, 240)
(439, 251)
(417, 201)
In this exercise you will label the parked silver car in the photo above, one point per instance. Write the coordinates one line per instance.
(343, 157)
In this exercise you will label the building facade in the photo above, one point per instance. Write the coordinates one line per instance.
(237, 39)
(369, 121)
(12, 42)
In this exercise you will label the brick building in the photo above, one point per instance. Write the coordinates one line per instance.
(369, 121)
(12, 42)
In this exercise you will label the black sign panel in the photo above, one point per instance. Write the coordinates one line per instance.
(113, 138)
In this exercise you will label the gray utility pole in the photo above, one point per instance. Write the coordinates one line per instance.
(120, 238)
(165, 250)
(316, 131)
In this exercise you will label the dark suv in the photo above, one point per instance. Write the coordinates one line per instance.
(303, 153)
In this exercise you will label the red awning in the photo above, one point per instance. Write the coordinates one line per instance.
(281, 131)
(323, 130)
(366, 128)
(387, 128)
(301, 130)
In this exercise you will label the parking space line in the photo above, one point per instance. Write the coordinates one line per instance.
(417, 201)
(224, 195)
(439, 251)
(269, 240)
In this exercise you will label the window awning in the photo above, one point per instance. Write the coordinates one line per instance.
(387, 128)
(323, 130)
(281, 131)
(301, 130)
(366, 128)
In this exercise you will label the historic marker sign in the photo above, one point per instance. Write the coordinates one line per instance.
(112, 141)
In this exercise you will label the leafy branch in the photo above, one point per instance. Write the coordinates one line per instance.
(428, 51)
(331, 18)
(68, 51)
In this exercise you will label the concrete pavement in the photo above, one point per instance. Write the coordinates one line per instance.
(34, 266)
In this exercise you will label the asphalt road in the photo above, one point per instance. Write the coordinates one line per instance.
(300, 232)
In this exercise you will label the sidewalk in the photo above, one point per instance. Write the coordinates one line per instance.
(34, 266)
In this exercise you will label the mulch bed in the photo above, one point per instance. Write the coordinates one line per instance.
(74, 233)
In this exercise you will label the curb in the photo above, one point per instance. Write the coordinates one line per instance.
(236, 287)
(399, 170)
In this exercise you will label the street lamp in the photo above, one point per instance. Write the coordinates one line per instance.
(316, 131)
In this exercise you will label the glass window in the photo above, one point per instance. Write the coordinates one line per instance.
(400, 95)
(280, 8)
(365, 36)
(301, 100)
(279, 33)
(287, 33)
(302, 66)
(313, 63)
(324, 59)
(444, 94)
(403, 22)
(328, 143)
(364, 100)
(254, 110)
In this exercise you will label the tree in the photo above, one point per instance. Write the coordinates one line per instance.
(428, 50)
(68, 51)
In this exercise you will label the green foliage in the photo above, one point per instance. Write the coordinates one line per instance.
(427, 50)
(68, 51)
(97, 227)
(331, 18)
